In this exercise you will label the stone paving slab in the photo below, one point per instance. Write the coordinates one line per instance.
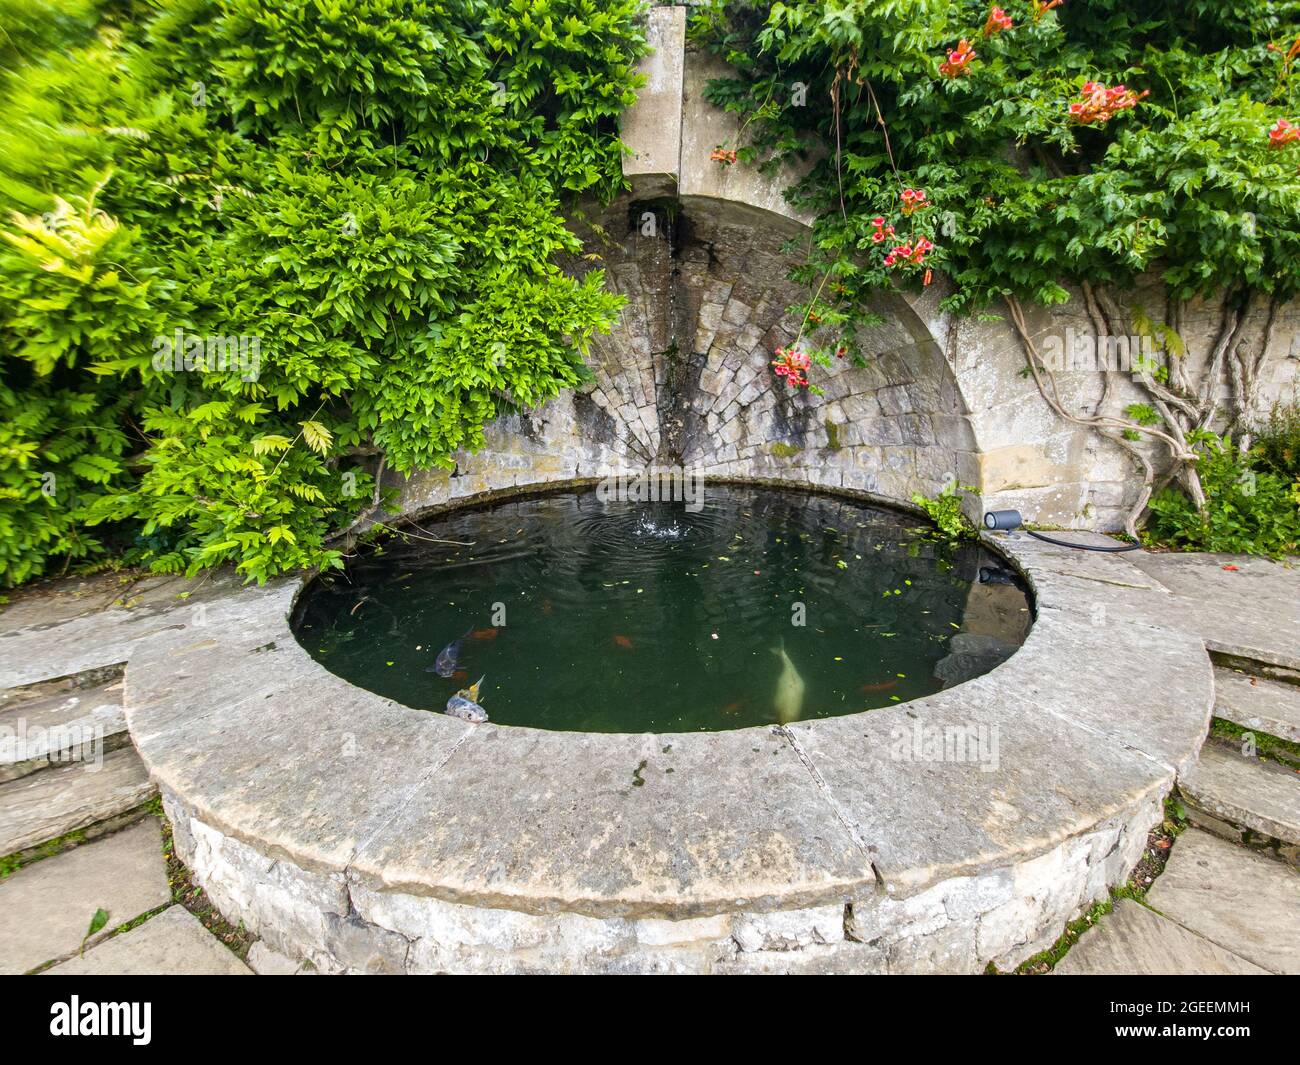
(1258, 703)
(1149, 688)
(52, 602)
(269, 746)
(59, 726)
(1243, 902)
(1132, 940)
(53, 802)
(1246, 791)
(901, 802)
(34, 646)
(173, 943)
(618, 824)
(1251, 610)
(46, 908)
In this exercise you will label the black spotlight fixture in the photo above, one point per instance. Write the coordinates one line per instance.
(1009, 520)
(1004, 520)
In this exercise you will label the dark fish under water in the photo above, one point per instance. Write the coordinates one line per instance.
(445, 664)
(888, 685)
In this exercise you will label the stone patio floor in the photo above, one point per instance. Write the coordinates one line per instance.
(1227, 902)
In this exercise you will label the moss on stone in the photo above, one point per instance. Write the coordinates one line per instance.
(832, 435)
(783, 450)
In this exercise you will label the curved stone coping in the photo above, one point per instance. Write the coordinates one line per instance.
(1094, 716)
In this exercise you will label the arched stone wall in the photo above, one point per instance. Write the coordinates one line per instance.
(685, 378)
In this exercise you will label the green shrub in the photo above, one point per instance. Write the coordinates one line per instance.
(1277, 440)
(362, 197)
(1249, 509)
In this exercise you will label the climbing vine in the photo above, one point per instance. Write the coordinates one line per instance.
(1014, 150)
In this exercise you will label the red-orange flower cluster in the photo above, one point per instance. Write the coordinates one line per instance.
(793, 366)
(998, 21)
(909, 254)
(1039, 8)
(726, 156)
(914, 200)
(1283, 133)
(1100, 104)
(882, 230)
(958, 60)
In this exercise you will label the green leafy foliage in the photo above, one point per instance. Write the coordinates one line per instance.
(945, 511)
(1022, 197)
(249, 244)
(1277, 440)
(1249, 509)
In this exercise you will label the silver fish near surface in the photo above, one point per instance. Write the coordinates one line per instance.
(464, 705)
(445, 664)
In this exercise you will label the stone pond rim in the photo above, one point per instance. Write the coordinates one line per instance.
(323, 815)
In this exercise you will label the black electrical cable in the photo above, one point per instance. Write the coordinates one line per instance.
(1083, 547)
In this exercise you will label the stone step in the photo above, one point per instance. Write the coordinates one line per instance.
(1228, 793)
(1239, 900)
(1257, 703)
(173, 943)
(1132, 940)
(49, 804)
(61, 721)
(46, 907)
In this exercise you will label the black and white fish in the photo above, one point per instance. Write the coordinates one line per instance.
(464, 705)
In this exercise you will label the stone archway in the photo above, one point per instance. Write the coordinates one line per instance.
(686, 379)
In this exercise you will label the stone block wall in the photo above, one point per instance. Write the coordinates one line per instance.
(339, 923)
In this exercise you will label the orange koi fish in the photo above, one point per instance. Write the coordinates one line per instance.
(886, 686)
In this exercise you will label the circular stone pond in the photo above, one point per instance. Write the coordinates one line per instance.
(748, 606)
(596, 825)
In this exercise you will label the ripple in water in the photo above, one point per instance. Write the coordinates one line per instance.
(646, 617)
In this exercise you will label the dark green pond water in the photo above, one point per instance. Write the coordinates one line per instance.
(646, 617)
